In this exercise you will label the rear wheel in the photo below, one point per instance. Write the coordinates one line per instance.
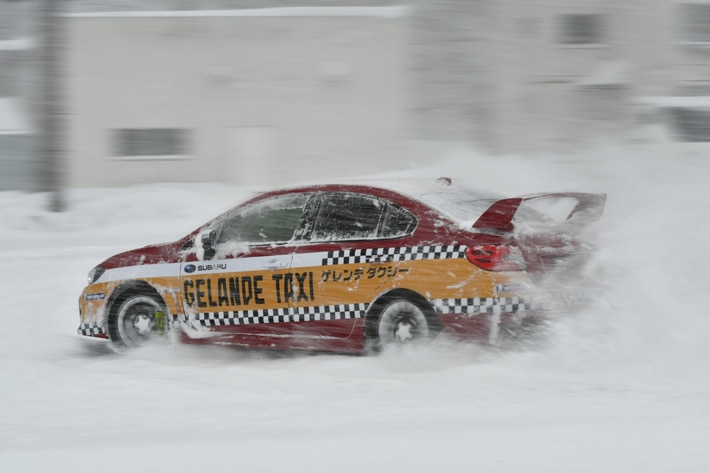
(402, 321)
(136, 319)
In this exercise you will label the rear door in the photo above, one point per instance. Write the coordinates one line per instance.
(346, 261)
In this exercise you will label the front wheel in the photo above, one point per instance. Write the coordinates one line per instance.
(136, 320)
(400, 322)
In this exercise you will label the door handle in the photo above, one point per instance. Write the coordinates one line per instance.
(379, 259)
(275, 264)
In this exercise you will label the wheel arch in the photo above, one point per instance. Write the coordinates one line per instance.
(123, 292)
(120, 293)
(385, 298)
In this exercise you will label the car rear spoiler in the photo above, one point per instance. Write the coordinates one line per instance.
(499, 216)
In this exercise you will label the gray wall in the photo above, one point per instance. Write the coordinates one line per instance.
(332, 89)
(450, 73)
(449, 83)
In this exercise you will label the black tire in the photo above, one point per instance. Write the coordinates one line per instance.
(401, 321)
(137, 318)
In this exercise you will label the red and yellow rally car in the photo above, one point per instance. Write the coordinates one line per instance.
(342, 267)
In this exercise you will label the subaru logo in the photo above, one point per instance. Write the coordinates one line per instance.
(190, 268)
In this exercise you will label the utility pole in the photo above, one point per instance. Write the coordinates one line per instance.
(52, 141)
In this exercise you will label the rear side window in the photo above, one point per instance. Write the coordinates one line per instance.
(397, 222)
(347, 216)
(351, 216)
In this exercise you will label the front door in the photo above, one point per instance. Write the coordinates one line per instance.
(238, 288)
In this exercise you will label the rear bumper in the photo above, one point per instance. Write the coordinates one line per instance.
(485, 318)
(482, 305)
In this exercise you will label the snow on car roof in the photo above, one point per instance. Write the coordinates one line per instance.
(461, 204)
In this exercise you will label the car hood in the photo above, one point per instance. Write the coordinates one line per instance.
(151, 254)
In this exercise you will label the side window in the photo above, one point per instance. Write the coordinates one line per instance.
(347, 216)
(351, 216)
(270, 220)
(151, 143)
(582, 29)
(397, 222)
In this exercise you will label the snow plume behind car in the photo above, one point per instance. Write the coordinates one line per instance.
(555, 234)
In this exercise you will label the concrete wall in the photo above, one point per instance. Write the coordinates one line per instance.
(449, 67)
(331, 89)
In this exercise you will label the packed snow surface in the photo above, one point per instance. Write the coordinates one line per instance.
(623, 385)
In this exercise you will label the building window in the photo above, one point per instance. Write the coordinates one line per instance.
(691, 124)
(695, 22)
(580, 30)
(151, 143)
(15, 161)
(699, 89)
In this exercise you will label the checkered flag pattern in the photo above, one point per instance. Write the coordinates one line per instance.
(243, 317)
(481, 305)
(273, 316)
(330, 312)
(383, 255)
(91, 329)
(177, 319)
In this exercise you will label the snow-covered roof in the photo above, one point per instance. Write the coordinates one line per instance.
(12, 117)
(679, 101)
(375, 12)
(17, 44)
(461, 204)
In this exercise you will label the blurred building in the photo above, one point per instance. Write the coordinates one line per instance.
(353, 91)
(670, 45)
(15, 145)
(16, 138)
(569, 72)
(562, 72)
(251, 97)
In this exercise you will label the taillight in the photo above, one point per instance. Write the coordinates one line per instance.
(496, 257)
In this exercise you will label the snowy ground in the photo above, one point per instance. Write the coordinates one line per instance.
(622, 386)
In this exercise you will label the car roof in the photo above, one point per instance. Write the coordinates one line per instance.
(461, 204)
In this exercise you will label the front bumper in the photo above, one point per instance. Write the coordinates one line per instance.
(93, 329)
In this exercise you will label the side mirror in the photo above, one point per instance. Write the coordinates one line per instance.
(209, 242)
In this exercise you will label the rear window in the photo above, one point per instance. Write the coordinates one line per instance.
(463, 206)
